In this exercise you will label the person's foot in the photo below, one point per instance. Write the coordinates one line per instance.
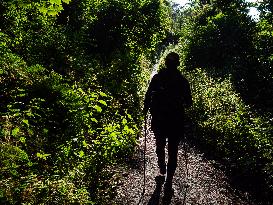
(168, 187)
(168, 193)
(162, 169)
(160, 180)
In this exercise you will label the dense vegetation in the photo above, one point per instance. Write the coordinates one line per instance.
(227, 57)
(72, 77)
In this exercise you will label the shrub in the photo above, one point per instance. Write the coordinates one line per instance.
(57, 138)
(224, 122)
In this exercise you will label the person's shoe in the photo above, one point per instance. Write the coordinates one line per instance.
(162, 169)
(160, 180)
(168, 187)
(168, 193)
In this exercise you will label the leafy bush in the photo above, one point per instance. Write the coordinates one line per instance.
(264, 82)
(219, 39)
(56, 137)
(94, 42)
(72, 75)
(232, 88)
(226, 38)
(224, 122)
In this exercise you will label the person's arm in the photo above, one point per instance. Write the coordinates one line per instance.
(148, 96)
(187, 94)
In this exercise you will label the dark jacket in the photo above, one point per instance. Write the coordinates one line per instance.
(167, 96)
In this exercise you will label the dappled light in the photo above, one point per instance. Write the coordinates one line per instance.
(73, 78)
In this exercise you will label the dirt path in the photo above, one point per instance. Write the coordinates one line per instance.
(204, 184)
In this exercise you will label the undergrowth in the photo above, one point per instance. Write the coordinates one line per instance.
(232, 129)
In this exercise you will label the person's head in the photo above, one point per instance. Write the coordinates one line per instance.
(172, 60)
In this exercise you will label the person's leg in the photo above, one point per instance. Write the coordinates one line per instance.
(160, 151)
(172, 159)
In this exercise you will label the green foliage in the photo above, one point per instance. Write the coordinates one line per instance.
(72, 76)
(215, 36)
(32, 189)
(219, 39)
(229, 126)
(51, 128)
(233, 88)
(135, 25)
(263, 44)
(46, 7)
(266, 9)
(95, 42)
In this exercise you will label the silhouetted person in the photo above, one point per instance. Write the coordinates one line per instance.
(167, 96)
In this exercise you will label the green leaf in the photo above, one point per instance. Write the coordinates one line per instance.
(25, 121)
(124, 121)
(129, 116)
(98, 108)
(42, 155)
(94, 120)
(43, 10)
(81, 154)
(66, 1)
(15, 131)
(103, 94)
(103, 102)
(84, 143)
(22, 139)
(58, 2)
(52, 12)
(45, 131)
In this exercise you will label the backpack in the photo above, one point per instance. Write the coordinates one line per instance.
(166, 97)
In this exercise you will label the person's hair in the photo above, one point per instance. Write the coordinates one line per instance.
(172, 60)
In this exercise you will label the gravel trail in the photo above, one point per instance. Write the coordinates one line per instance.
(204, 184)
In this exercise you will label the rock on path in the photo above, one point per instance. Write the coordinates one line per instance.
(204, 184)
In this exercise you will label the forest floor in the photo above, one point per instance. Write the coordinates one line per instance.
(205, 183)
